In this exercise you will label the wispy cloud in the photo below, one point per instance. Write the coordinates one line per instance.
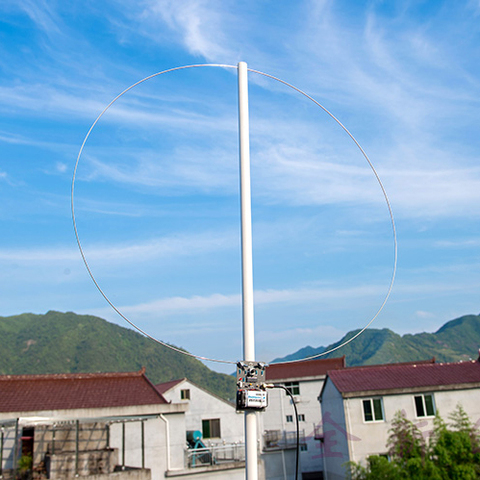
(166, 247)
(179, 305)
(199, 23)
(42, 14)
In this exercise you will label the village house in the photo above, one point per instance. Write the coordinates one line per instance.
(88, 424)
(220, 427)
(359, 403)
(305, 380)
(107, 425)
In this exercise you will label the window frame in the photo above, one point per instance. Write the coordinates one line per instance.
(373, 410)
(213, 428)
(424, 413)
(294, 387)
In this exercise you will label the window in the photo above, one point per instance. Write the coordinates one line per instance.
(424, 405)
(301, 417)
(373, 410)
(185, 394)
(289, 418)
(303, 448)
(211, 428)
(294, 388)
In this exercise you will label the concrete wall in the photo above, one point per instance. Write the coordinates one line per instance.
(349, 437)
(372, 436)
(54, 448)
(125, 475)
(203, 405)
(164, 443)
(234, 472)
(100, 462)
(275, 418)
(277, 465)
(335, 448)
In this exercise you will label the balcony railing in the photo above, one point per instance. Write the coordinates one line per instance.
(281, 440)
(214, 455)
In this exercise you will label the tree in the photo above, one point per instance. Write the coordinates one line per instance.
(456, 450)
(405, 441)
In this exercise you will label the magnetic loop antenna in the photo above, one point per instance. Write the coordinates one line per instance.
(305, 95)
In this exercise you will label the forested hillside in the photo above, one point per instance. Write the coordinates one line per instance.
(457, 340)
(66, 342)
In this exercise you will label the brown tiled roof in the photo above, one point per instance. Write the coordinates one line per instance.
(410, 375)
(307, 368)
(26, 393)
(166, 386)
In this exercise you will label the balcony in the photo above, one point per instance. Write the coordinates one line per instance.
(215, 455)
(281, 440)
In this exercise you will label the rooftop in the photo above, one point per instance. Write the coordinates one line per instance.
(166, 386)
(27, 393)
(407, 375)
(303, 369)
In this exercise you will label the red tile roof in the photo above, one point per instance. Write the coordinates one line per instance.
(166, 386)
(26, 393)
(400, 376)
(298, 370)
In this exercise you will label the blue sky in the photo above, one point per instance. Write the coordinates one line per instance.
(157, 194)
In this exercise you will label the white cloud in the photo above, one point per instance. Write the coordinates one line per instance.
(422, 314)
(178, 305)
(116, 254)
(41, 13)
(61, 167)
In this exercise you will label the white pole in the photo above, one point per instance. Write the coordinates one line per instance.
(247, 268)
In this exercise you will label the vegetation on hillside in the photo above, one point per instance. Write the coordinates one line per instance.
(452, 452)
(69, 343)
(457, 340)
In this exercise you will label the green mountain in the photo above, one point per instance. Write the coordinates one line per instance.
(68, 343)
(457, 340)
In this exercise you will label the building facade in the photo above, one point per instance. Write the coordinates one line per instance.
(305, 380)
(359, 403)
(107, 424)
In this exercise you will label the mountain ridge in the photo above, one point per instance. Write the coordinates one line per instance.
(456, 340)
(58, 342)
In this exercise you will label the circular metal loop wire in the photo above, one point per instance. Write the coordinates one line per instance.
(178, 350)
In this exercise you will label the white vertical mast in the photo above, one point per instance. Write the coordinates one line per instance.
(247, 264)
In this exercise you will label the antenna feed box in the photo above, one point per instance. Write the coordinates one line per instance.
(251, 393)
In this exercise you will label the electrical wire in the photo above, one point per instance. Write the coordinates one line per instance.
(392, 220)
(136, 327)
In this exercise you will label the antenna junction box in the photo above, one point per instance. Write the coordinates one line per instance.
(251, 392)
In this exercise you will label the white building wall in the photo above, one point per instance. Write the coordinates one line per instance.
(336, 431)
(203, 405)
(157, 444)
(279, 406)
(373, 436)
(8, 446)
(370, 438)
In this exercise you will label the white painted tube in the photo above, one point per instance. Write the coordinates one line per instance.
(247, 263)
(167, 435)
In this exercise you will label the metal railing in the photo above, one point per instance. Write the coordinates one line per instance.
(280, 439)
(214, 455)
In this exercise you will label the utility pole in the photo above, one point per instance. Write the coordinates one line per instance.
(251, 460)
